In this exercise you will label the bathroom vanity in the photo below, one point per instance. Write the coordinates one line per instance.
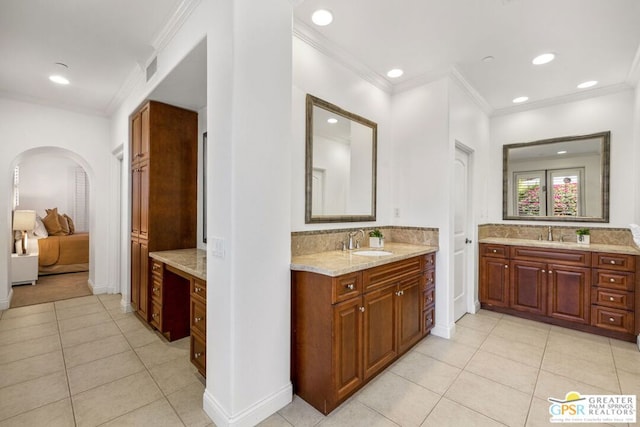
(593, 288)
(353, 315)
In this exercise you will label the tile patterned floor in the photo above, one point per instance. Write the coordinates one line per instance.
(82, 362)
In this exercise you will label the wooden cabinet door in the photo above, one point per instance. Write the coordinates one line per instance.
(135, 274)
(569, 293)
(380, 339)
(409, 305)
(135, 202)
(528, 290)
(136, 128)
(143, 306)
(494, 281)
(143, 195)
(143, 152)
(347, 346)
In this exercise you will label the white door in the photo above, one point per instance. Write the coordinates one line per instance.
(461, 233)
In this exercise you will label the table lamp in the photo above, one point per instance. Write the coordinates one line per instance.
(24, 221)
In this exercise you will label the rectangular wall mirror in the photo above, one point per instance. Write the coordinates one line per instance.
(558, 179)
(340, 175)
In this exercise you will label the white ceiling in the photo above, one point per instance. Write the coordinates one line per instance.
(105, 42)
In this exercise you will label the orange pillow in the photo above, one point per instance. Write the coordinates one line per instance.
(72, 227)
(52, 222)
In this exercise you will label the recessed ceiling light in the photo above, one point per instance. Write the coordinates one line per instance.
(332, 120)
(585, 85)
(520, 99)
(322, 17)
(59, 75)
(488, 58)
(395, 73)
(543, 59)
(562, 152)
(61, 80)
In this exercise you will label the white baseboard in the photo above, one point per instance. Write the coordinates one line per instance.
(126, 306)
(97, 290)
(444, 332)
(6, 303)
(251, 416)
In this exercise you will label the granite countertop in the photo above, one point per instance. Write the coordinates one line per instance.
(192, 261)
(593, 247)
(336, 263)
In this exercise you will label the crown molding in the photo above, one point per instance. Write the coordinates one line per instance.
(335, 52)
(479, 100)
(29, 99)
(564, 99)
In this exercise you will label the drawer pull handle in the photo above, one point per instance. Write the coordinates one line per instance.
(611, 319)
(495, 251)
(156, 267)
(197, 289)
(197, 319)
(506, 266)
(429, 299)
(350, 286)
(550, 271)
(197, 355)
(612, 261)
(612, 280)
(429, 320)
(430, 260)
(612, 299)
(155, 289)
(154, 315)
(361, 309)
(543, 271)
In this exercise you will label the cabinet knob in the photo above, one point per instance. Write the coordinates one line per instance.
(544, 271)
(550, 271)
(198, 289)
(495, 251)
(612, 280)
(350, 286)
(197, 319)
(612, 261)
(429, 299)
(361, 309)
(154, 315)
(611, 299)
(155, 289)
(611, 319)
(197, 355)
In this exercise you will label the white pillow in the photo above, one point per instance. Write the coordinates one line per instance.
(40, 230)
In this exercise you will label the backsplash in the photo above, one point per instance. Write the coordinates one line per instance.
(599, 235)
(310, 242)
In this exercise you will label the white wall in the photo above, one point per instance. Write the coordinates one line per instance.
(33, 129)
(319, 75)
(614, 112)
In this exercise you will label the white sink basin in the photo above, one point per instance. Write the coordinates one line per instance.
(373, 253)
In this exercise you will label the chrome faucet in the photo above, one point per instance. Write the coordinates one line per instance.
(550, 235)
(355, 244)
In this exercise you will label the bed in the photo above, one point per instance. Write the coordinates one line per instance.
(63, 254)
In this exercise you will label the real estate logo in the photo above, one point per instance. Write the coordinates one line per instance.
(588, 408)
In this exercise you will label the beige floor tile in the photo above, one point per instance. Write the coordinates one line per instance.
(530, 355)
(56, 414)
(521, 333)
(504, 371)
(275, 420)
(470, 337)
(557, 386)
(73, 302)
(579, 335)
(130, 323)
(83, 321)
(451, 414)
(27, 310)
(626, 358)
(159, 352)
(496, 401)
(141, 337)
(13, 336)
(28, 395)
(489, 313)
(102, 371)
(31, 368)
(111, 301)
(156, 414)
(629, 383)
(109, 401)
(526, 323)
(27, 320)
(182, 343)
(188, 404)
(579, 346)
(592, 372)
(117, 313)
(355, 414)
(24, 349)
(174, 375)
(95, 350)
(88, 334)
(445, 350)
(80, 310)
(300, 414)
(477, 322)
(426, 371)
(400, 400)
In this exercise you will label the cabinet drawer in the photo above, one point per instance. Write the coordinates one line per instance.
(430, 260)
(346, 287)
(199, 289)
(199, 353)
(156, 289)
(429, 278)
(614, 280)
(612, 319)
(429, 319)
(498, 251)
(198, 316)
(156, 316)
(390, 273)
(429, 297)
(578, 258)
(614, 261)
(612, 298)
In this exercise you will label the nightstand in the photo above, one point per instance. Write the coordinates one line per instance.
(24, 269)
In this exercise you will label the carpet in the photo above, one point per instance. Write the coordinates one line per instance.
(52, 288)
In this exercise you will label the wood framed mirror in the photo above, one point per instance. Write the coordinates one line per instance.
(340, 178)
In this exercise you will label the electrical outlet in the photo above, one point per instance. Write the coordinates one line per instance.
(396, 212)
(218, 249)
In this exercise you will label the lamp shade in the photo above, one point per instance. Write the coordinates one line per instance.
(24, 220)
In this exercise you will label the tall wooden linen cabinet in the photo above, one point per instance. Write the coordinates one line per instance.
(164, 162)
